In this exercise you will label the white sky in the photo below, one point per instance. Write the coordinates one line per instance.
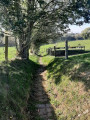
(78, 29)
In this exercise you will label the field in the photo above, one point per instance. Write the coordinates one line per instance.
(68, 83)
(85, 43)
(12, 50)
(11, 53)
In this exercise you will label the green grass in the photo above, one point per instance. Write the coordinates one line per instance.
(46, 58)
(85, 43)
(11, 53)
(68, 84)
(16, 80)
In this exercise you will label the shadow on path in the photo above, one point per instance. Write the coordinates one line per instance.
(44, 109)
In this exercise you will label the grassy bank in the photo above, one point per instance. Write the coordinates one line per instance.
(68, 83)
(68, 86)
(16, 79)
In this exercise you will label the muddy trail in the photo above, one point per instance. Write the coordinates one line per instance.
(44, 109)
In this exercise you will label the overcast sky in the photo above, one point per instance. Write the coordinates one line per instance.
(78, 29)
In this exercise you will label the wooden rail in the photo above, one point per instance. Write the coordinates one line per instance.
(55, 49)
(80, 47)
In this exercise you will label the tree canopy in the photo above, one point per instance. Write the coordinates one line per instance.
(86, 33)
(39, 20)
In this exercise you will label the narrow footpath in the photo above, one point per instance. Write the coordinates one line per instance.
(44, 108)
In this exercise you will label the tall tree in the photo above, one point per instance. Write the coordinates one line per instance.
(22, 17)
(86, 33)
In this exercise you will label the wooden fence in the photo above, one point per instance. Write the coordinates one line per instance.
(61, 50)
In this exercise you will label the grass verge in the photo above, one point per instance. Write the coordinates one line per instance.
(16, 79)
(68, 86)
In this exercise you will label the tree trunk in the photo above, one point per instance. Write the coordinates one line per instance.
(24, 43)
(23, 49)
(24, 52)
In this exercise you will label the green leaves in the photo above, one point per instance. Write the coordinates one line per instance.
(5, 2)
(42, 13)
(86, 33)
(53, 17)
(41, 2)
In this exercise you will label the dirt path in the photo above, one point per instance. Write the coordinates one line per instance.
(44, 108)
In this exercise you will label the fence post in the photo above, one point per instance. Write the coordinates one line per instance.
(55, 51)
(50, 51)
(84, 48)
(6, 48)
(66, 49)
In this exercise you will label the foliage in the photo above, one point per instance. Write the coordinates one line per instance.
(21, 17)
(71, 37)
(86, 33)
